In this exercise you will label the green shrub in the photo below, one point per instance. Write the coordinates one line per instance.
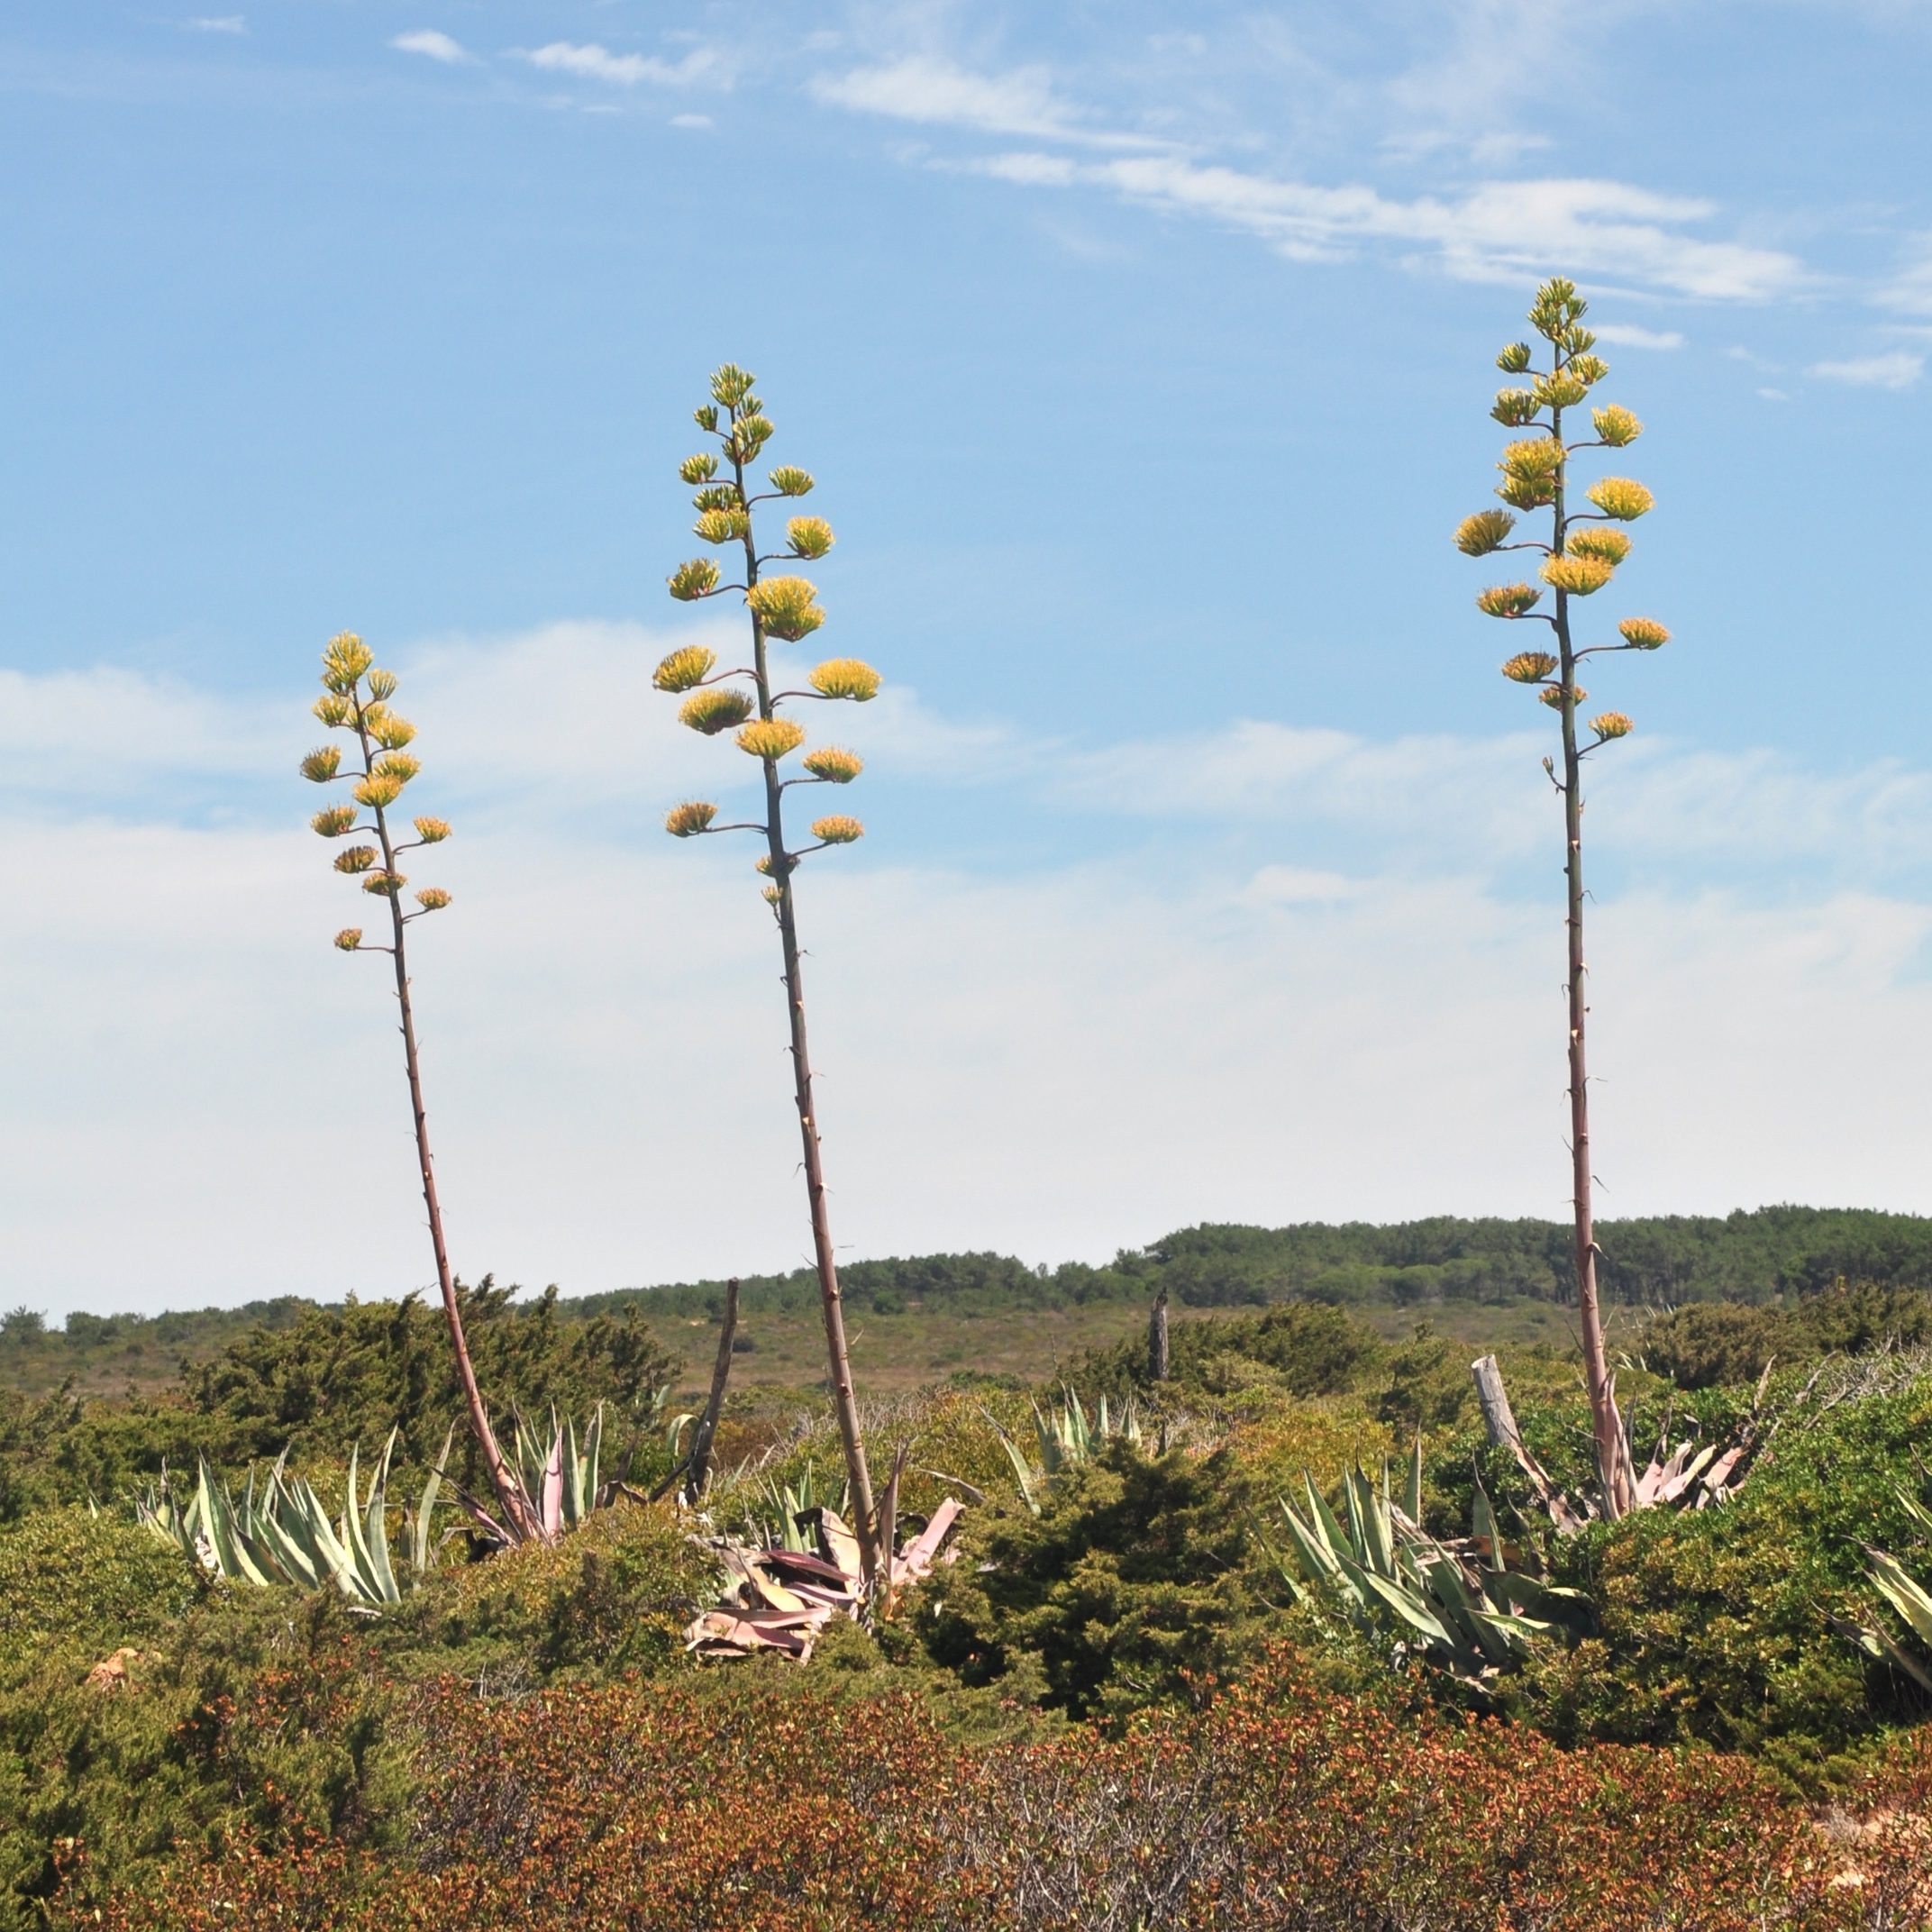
(1127, 1590)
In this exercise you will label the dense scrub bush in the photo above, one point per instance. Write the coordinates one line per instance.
(1281, 1807)
(329, 1377)
(268, 1713)
(1130, 1584)
(1708, 1344)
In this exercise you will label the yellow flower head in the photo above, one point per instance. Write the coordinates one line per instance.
(333, 820)
(1579, 576)
(349, 938)
(357, 859)
(749, 435)
(762, 864)
(1529, 667)
(335, 710)
(401, 766)
(770, 738)
(392, 733)
(382, 686)
(344, 660)
(1556, 309)
(718, 497)
(1644, 633)
(1616, 426)
(1610, 725)
(1508, 600)
(835, 766)
(1527, 493)
(1619, 498)
(785, 605)
(1608, 546)
(1563, 390)
(845, 677)
(697, 578)
(385, 885)
(697, 468)
(1533, 456)
(721, 526)
(771, 896)
(810, 537)
(1478, 535)
(790, 482)
(1515, 408)
(707, 417)
(1513, 360)
(432, 898)
(684, 670)
(730, 385)
(714, 710)
(323, 765)
(686, 821)
(433, 830)
(379, 792)
(1553, 697)
(1587, 369)
(837, 830)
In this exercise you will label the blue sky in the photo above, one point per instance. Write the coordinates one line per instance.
(1142, 354)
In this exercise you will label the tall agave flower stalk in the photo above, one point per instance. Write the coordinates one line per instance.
(356, 701)
(1579, 558)
(745, 702)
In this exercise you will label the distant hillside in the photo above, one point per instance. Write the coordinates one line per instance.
(1771, 1254)
(1765, 1255)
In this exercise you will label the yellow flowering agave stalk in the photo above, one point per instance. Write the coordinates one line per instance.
(781, 605)
(356, 701)
(1586, 546)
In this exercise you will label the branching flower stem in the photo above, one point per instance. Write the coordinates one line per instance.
(378, 734)
(783, 608)
(1579, 560)
(845, 1401)
(1607, 1424)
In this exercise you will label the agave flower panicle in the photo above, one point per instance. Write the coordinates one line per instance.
(357, 703)
(1583, 556)
(751, 706)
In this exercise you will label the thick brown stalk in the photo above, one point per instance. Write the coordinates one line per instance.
(509, 1489)
(845, 1401)
(1606, 1425)
(698, 1465)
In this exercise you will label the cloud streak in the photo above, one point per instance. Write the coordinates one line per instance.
(938, 94)
(1499, 231)
(591, 61)
(434, 46)
(1310, 931)
(1897, 368)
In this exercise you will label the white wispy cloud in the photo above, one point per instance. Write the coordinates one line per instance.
(591, 61)
(604, 1042)
(938, 93)
(217, 24)
(1628, 335)
(1896, 369)
(1498, 230)
(435, 46)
